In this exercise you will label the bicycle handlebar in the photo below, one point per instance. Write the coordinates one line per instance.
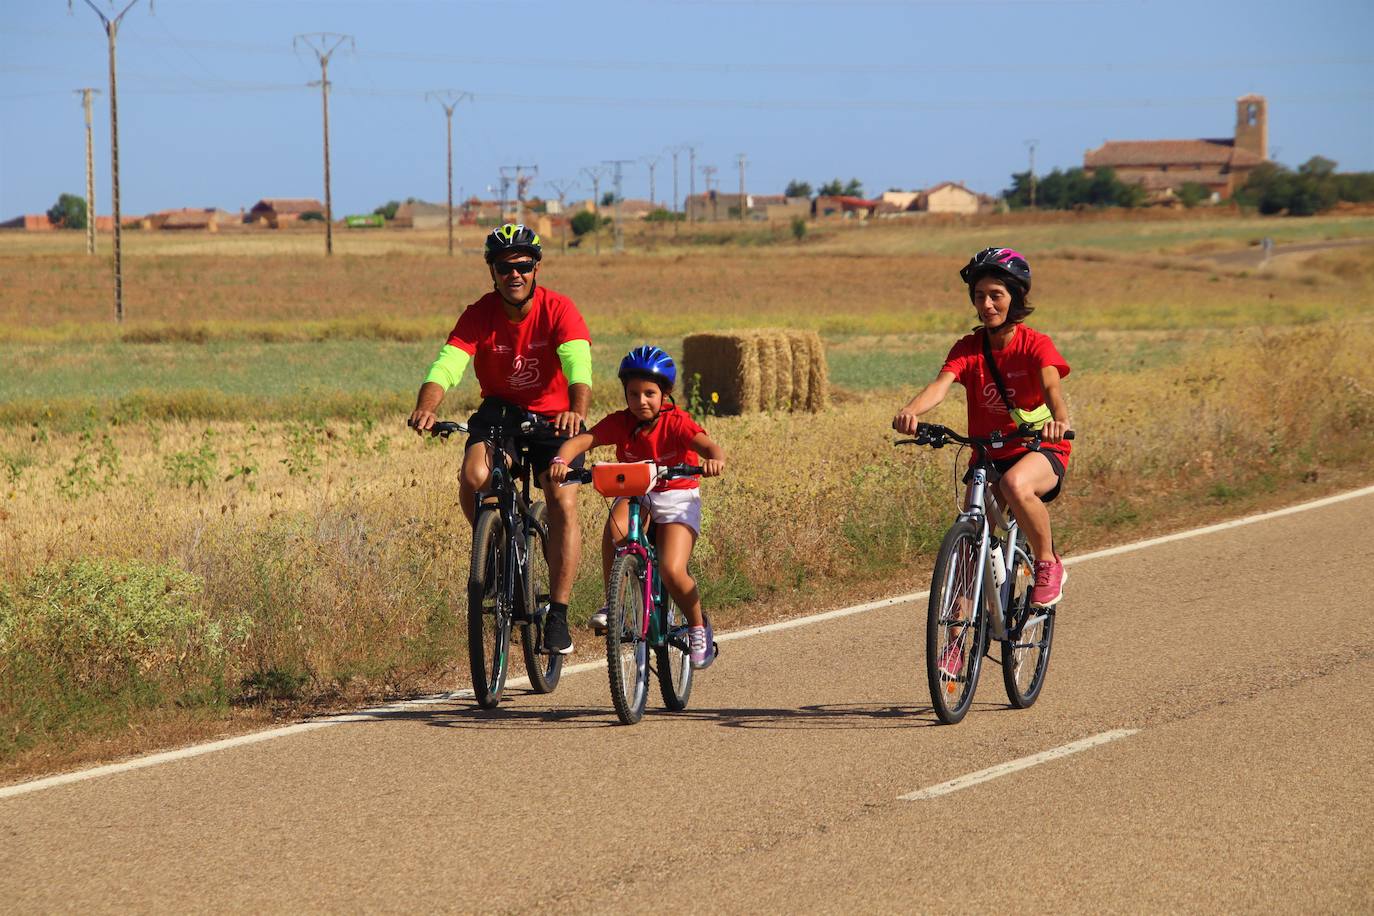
(937, 436)
(672, 472)
(446, 428)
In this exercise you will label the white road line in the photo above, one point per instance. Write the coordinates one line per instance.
(1012, 766)
(382, 711)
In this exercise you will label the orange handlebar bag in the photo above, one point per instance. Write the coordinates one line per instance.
(623, 479)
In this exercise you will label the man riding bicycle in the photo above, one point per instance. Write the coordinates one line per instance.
(531, 352)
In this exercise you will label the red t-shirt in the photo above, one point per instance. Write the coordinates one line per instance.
(518, 361)
(1020, 363)
(667, 441)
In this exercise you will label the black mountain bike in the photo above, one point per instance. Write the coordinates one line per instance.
(981, 585)
(508, 582)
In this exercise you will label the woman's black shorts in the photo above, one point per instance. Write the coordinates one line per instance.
(1004, 464)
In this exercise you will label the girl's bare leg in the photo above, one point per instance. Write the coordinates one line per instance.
(675, 543)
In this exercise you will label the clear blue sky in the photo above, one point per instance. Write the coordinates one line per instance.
(214, 110)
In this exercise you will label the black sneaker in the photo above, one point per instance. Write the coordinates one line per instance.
(557, 639)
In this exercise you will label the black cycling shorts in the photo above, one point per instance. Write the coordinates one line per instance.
(1005, 464)
(542, 447)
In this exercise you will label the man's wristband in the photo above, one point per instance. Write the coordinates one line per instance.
(558, 459)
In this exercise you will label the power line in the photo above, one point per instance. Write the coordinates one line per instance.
(324, 44)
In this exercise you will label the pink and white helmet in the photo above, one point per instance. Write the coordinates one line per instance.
(993, 261)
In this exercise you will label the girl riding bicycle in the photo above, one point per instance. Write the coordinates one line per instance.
(653, 428)
(1011, 375)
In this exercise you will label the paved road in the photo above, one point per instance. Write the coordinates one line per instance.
(1254, 256)
(1245, 659)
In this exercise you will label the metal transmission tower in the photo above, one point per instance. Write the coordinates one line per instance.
(111, 24)
(691, 180)
(90, 171)
(709, 172)
(561, 187)
(1031, 144)
(619, 230)
(652, 162)
(743, 198)
(324, 44)
(594, 175)
(521, 182)
(449, 99)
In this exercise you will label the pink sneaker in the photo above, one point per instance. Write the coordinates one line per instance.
(1049, 582)
(952, 661)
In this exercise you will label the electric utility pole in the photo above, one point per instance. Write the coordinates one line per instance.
(324, 44)
(709, 172)
(619, 230)
(691, 181)
(449, 99)
(1030, 145)
(652, 163)
(111, 24)
(90, 171)
(561, 187)
(743, 198)
(521, 180)
(594, 175)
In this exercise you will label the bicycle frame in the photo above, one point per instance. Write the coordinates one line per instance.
(509, 486)
(638, 543)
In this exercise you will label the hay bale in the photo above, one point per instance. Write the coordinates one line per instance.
(801, 369)
(782, 370)
(728, 367)
(818, 394)
(768, 370)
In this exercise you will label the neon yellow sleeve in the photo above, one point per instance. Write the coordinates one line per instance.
(448, 369)
(576, 357)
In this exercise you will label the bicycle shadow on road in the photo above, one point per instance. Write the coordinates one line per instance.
(466, 714)
(818, 716)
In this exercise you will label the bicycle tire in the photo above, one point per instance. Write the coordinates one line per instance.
(952, 588)
(544, 668)
(627, 647)
(1030, 631)
(673, 660)
(489, 623)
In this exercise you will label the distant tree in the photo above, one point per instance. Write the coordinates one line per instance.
(586, 221)
(69, 212)
(1273, 188)
(1355, 186)
(1192, 194)
(608, 199)
(798, 227)
(312, 216)
(1318, 167)
(836, 188)
(797, 188)
(854, 188)
(833, 188)
(664, 216)
(388, 209)
(1066, 189)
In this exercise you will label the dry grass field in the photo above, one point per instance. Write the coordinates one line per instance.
(213, 512)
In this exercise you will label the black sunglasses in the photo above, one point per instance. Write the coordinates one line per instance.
(505, 268)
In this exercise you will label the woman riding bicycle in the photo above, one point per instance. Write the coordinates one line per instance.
(1011, 374)
(653, 428)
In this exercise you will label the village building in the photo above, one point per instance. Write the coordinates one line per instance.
(39, 222)
(717, 205)
(845, 207)
(417, 214)
(280, 212)
(205, 219)
(948, 197)
(1164, 166)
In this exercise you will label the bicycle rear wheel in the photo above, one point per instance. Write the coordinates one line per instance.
(543, 668)
(956, 630)
(674, 658)
(489, 621)
(627, 646)
(1030, 633)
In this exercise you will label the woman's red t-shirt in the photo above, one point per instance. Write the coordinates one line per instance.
(667, 441)
(1020, 363)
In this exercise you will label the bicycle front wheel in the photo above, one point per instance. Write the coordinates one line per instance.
(489, 616)
(956, 630)
(674, 658)
(627, 645)
(1030, 632)
(543, 668)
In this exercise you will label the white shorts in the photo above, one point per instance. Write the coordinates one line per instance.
(682, 507)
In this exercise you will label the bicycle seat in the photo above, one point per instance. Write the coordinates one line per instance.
(624, 478)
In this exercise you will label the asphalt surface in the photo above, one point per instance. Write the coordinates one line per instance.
(1254, 255)
(1244, 658)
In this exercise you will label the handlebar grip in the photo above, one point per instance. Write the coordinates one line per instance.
(683, 470)
(575, 475)
(1069, 434)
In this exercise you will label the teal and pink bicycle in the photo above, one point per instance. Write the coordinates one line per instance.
(641, 618)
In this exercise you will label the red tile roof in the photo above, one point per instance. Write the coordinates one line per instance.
(1128, 153)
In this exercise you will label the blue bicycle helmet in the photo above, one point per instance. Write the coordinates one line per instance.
(649, 362)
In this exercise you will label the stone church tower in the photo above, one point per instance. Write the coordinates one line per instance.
(1252, 125)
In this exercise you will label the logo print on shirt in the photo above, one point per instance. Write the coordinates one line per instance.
(992, 398)
(526, 374)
